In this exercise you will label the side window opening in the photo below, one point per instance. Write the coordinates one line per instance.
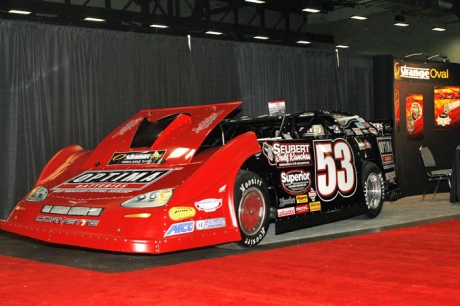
(213, 139)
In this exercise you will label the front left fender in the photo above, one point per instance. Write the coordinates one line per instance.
(222, 166)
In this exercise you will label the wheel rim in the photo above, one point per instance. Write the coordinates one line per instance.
(373, 191)
(252, 211)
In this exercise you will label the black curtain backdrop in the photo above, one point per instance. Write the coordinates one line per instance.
(65, 85)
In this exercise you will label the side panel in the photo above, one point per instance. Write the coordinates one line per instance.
(317, 180)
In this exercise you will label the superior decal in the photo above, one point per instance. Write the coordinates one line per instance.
(296, 181)
(287, 155)
(112, 181)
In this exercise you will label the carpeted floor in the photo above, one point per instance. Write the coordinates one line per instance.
(406, 266)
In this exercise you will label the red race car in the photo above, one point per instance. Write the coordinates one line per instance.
(181, 178)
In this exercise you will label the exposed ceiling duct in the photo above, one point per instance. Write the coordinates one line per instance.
(284, 21)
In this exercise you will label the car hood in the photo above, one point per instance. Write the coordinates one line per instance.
(170, 136)
(152, 150)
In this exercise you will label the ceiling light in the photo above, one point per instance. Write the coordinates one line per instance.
(442, 56)
(261, 37)
(256, 1)
(160, 26)
(213, 33)
(304, 42)
(311, 10)
(342, 46)
(439, 29)
(19, 12)
(94, 19)
(401, 24)
(358, 17)
(400, 21)
(414, 54)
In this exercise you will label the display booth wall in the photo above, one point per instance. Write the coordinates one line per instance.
(426, 112)
(63, 85)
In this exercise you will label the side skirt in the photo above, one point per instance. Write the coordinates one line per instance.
(309, 220)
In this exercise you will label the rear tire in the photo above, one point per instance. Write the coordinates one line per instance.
(252, 208)
(374, 190)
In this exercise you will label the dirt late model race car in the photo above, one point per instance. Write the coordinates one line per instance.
(180, 178)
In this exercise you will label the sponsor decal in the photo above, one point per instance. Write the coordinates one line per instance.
(66, 221)
(357, 131)
(206, 122)
(315, 206)
(284, 212)
(386, 152)
(129, 158)
(210, 223)
(312, 194)
(335, 129)
(285, 202)
(208, 205)
(72, 210)
(295, 181)
(287, 155)
(301, 199)
(302, 209)
(180, 228)
(373, 131)
(390, 176)
(180, 213)
(348, 132)
(128, 127)
(112, 181)
(359, 125)
(222, 189)
(363, 145)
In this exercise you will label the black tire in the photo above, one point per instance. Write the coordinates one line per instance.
(252, 208)
(374, 190)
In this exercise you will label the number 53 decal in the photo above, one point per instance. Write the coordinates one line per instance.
(335, 169)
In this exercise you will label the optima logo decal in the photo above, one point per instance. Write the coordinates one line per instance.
(112, 181)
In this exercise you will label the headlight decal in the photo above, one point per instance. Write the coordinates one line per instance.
(156, 198)
(37, 194)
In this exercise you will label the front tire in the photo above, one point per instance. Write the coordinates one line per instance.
(374, 190)
(252, 208)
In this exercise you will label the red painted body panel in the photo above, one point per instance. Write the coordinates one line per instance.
(200, 212)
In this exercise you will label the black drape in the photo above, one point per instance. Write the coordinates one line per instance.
(62, 85)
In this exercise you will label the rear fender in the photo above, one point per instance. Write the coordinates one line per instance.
(71, 155)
